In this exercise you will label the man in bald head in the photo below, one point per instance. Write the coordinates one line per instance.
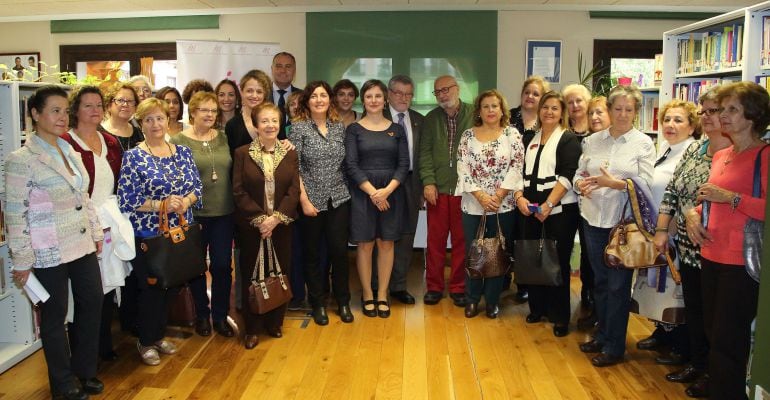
(441, 133)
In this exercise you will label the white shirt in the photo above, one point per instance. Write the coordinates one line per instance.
(408, 126)
(630, 155)
(277, 96)
(665, 170)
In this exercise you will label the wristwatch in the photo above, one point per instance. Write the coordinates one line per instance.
(550, 205)
(735, 201)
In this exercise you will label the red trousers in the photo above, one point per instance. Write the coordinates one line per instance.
(445, 218)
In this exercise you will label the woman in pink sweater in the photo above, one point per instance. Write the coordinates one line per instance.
(729, 294)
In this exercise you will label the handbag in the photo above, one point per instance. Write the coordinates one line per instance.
(269, 287)
(181, 309)
(537, 262)
(630, 245)
(175, 255)
(487, 257)
(754, 229)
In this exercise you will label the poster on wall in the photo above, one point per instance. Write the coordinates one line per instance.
(544, 59)
(217, 60)
(21, 65)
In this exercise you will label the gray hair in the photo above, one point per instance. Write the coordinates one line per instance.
(709, 95)
(577, 89)
(403, 79)
(146, 80)
(625, 91)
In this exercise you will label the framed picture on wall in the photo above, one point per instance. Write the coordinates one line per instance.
(544, 59)
(22, 65)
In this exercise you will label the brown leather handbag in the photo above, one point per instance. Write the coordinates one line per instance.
(630, 245)
(487, 257)
(269, 287)
(181, 308)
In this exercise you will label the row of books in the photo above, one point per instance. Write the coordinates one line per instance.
(711, 51)
(648, 115)
(25, 121)
(693, 90)
(763, 81)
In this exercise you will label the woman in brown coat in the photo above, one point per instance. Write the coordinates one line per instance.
(258, 216)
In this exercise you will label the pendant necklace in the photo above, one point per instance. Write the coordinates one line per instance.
(208, 147)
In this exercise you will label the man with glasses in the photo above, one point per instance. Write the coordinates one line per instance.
(441, 133)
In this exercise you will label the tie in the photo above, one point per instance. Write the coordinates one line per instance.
(282, 103)
(663, 158)
(408, 139)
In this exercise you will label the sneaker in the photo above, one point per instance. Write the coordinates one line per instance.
(149, 354)
(165, 347)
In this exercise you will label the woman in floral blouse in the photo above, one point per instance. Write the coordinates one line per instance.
(549, 166)
(490, 162)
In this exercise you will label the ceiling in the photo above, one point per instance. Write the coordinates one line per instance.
(29, 10)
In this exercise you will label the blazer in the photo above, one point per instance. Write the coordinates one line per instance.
(114, 158)
(249, 185)
(49, 220)
(417, 121)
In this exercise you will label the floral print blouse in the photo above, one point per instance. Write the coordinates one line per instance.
(691, 172)
(489, 166)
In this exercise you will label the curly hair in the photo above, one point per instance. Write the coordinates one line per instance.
(506, 114)
(689, 108)
(195, 86)
(755, 101)
(303, 112)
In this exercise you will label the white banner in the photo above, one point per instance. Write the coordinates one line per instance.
(216, 60)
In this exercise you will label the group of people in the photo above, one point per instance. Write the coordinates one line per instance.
(263, 159)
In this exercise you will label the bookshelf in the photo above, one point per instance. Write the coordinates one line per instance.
(19, 337)
(733, 46)
(648, 114)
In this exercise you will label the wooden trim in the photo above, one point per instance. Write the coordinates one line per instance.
(695, 16)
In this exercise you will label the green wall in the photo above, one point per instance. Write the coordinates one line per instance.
(760, 364)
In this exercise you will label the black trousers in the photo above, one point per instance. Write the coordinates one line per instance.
(693, 303)
(67, 361)
(730, 299)
(586, 271)
(151, 303)
(553, 301)
(331, 225)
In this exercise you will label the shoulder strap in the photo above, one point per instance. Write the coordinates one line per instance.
(757, 188)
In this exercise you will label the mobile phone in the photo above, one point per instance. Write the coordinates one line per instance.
(705, 213)
(534, 207)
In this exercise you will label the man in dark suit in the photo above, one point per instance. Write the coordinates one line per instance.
(400, 93)
(283, 70)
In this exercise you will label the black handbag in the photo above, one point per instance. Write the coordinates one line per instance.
(269, 287)
(754, 228)
(487, 257)
(537, 262)
(175, 255)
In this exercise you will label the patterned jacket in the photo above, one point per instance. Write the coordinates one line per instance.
(49, 220)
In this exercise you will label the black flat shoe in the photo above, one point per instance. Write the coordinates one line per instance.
(250, 341)
(432, 298)
(686, 375)
(649, 343)
(591, 346)
(345, 315)
(92, 385)
(319, 316)
(383, 313)
(369, 312)
(605, 360)
(700, 388)
(458, 299)
(534, 318)
(672, 358)
(223, 328)
(274, 332)
(72, 394)
(560, 330)
(522, 296)
(203, 327)
(402, 296)
(471, 310)
(492, 311)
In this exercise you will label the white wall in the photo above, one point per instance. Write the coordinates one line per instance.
(575, 29)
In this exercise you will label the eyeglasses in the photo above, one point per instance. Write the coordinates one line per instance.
(708, 111)
(443, 90)
(401, 94)
(124, 102)
(207, 110)
(143, 89)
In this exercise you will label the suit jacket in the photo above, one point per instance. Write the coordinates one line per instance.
(50, 221)
(285, 121)
(413, 184)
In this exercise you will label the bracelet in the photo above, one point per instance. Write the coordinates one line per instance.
(659, 229)
(516, 198)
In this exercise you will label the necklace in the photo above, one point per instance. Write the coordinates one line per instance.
(166, 171)
(214, 176)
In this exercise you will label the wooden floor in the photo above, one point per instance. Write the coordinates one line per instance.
(420, 352)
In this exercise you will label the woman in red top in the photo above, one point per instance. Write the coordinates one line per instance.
(729, 294)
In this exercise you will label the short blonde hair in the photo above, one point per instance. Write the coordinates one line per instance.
(197, 99)
(148, 106)
(537, 80)
(631, 92)
(505, 118)
(577, 89)
(552, 94)
(692, 114)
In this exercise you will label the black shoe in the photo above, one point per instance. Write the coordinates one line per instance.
(72, 394)
(223, 328)
(250, 341)
(687, 375)
(402, 296)
(492, 311)
(649, 343)
(383, 313)
(471, 310)
(432, 297)
(319, 316)
(345, 315)
(92, 385)
(672, 358)
(587, 299)
(203, 327)
(560, 330)
(700, 388)
(534, 318)
(522, 296)
(591, 346)
(605, 360)
(587, 322)
(371, 313)
(458, 299)
(274, 332)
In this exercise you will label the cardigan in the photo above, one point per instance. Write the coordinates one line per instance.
(114, 157)
(437, 160)
(50, 221)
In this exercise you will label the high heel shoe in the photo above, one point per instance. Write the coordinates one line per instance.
(369, 312)
(383, 313)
